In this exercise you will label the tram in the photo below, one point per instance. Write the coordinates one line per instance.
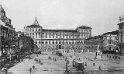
(59, 53)
(78, 64)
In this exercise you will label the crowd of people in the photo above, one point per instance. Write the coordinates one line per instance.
(31, 69)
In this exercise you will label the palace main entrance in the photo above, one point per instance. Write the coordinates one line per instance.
(59, 46)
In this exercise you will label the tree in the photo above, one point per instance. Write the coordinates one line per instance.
(26, 43)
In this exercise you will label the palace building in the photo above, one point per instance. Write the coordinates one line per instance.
(51, 39)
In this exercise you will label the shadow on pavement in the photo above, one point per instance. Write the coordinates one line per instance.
(9, 72)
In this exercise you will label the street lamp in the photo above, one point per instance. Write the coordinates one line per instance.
(0, 51)
(67, 62)
(0, 59)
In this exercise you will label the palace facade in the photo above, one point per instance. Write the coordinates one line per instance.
(51, 39)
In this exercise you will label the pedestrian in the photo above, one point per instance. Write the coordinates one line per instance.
(39, 61)
(33, 67)
(37, 55)
(5, 70)
(99, 67)
(71, 56)
(30, 70)
(55, 59)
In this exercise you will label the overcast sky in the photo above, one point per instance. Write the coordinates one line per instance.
(101, 15)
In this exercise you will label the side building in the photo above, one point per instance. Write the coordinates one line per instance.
(110, 42)
(8, 38)
(105, 42)
(93, 44)
(121, 34)
(50, 39)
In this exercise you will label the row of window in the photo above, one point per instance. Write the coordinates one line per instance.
(85, 35)
(34, 35)
(110, 37)
(6, 33)
(33, 29)
(54, 47)
(58, 36)
(39, 35)
(59, 42)
(93, 43)
(84, 30)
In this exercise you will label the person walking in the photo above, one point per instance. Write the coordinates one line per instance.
(5, 70)
(33, 67)
(99, 67)
(37, 55)
(30, 70)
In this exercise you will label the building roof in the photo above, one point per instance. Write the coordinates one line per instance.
(113, 32)
(95, 37)
(60, 30)
(35, 24)
(84, 27)
(32, 26)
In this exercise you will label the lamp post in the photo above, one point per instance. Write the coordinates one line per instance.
(10, 52)
(0, 54)
(0, 58)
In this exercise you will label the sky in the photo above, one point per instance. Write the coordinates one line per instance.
(101, 15)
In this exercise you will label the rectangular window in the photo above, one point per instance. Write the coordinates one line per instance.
(36, 35)
(53, 42)
(39, 35)
(46, 42)
(49, 42)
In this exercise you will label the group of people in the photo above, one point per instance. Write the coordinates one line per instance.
(4, 70)
(31, 69)
(37, 60)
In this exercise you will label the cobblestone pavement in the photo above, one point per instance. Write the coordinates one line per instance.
(45, 66)
(48, 65)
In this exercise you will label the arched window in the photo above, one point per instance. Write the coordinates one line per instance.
(39, 42)
(52, 42)
(38, 29)
(59, 42)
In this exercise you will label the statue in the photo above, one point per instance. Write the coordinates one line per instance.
(3, 17)
(121, 18)
(2, 12)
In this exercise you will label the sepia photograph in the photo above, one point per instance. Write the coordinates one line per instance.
(61, 37)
